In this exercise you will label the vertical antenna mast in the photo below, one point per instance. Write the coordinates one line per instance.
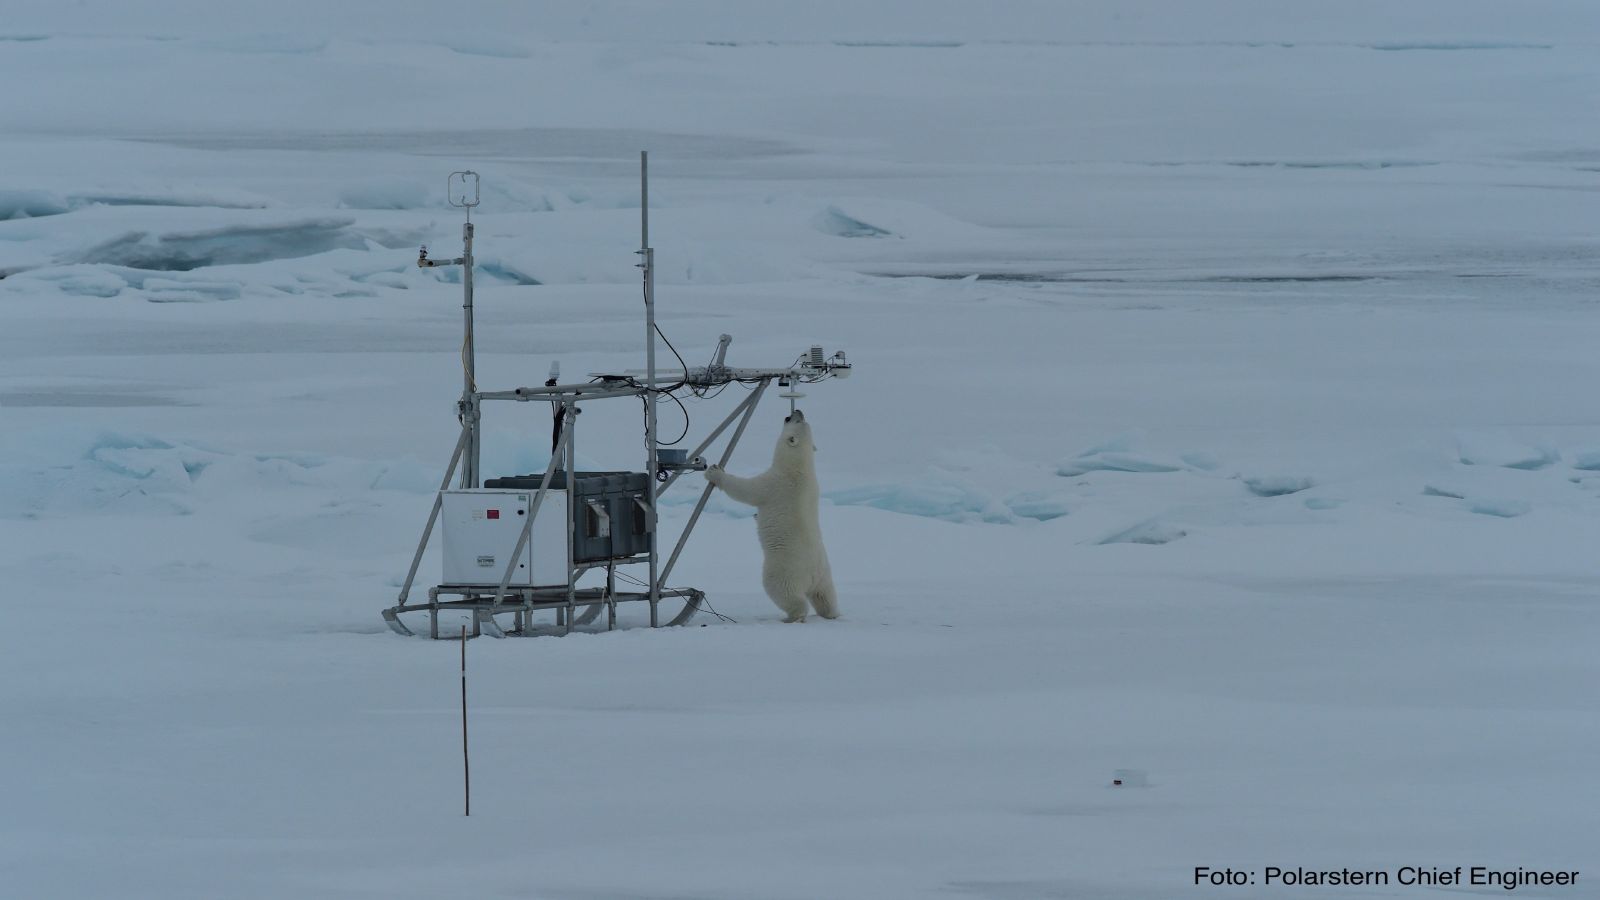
(467, 407)
(647, 262)
(469, 362)
(456, 194)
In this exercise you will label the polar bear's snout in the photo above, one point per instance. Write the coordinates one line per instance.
(796, 416)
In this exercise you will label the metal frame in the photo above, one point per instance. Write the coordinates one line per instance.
(567, 600)
(572, 604)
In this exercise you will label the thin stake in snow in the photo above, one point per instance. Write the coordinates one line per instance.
(466, 765)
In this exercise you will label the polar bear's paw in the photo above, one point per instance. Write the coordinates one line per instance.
(791, 604)
(825, 601)
(714, 474)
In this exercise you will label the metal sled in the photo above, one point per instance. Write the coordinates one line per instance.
(572, 605)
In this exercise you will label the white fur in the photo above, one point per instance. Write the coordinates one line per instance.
(795, 566)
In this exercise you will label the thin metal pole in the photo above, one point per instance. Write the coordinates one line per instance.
(527, 527)
(717, 432)
(705, 495)
(469, 363)
(427, 531)
(650, 372)
(611, 595)
(569, 427)
(569, 391)
(466, 763)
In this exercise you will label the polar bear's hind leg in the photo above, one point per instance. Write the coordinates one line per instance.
(825, 600)
(787, 597)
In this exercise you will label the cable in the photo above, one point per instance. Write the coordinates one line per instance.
(674, 352)
(703, 602)
(685, 412)
(663, 334)
(650, 389)
(702, 394)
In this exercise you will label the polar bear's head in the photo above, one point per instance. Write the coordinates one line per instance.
(794, 444)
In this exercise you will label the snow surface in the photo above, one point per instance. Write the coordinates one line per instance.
(1223, 412)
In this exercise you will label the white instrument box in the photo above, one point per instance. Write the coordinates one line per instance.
(481, 528)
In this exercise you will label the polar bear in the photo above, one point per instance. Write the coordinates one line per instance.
(794, 568)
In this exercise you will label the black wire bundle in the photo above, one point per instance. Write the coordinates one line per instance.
(700, 392)
(705, 604)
